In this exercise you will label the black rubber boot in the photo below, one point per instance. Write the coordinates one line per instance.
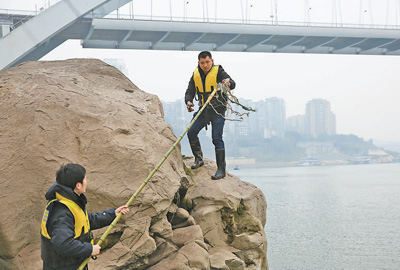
(198, 155)
(221, 164)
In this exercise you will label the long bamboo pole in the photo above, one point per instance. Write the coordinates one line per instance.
(115, 221)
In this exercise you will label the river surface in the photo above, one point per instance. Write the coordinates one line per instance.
(331, 217)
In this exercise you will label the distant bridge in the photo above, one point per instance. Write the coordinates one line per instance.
(26, 38)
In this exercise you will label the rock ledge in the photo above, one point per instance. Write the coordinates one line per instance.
(87, 112)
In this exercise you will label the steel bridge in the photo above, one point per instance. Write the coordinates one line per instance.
(30, 37)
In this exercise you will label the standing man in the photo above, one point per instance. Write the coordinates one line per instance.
(66, 226)
(203, 82)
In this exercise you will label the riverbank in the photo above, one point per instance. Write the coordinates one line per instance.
(277, 164)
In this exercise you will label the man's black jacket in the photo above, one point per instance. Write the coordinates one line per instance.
(62, 247)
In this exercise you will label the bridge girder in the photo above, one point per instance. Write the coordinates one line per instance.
(83, 20)
(168, 35)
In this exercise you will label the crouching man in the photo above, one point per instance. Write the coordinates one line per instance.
(66, 226)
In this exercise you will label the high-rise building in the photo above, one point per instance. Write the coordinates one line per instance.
(241, 128)
(275, 117)
(333, 123)
(175, 113)
(259, 119)
(268, 121)
(295, 123)
(319, 119)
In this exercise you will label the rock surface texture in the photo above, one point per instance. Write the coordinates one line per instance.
(85, 111)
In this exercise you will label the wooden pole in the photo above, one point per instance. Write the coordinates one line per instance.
(115, 221)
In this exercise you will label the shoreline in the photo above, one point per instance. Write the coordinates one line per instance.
(280, 164)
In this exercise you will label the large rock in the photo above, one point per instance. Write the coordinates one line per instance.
(85, 111)
(230, 213)
(187, 235)
(222, 259)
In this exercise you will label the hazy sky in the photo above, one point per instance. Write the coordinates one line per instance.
(362, 90)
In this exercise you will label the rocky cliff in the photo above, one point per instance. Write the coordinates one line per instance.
(85, 111)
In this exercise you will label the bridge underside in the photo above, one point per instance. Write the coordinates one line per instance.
(165, 35)
(77, 19)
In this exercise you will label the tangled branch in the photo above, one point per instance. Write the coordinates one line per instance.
(230, 98)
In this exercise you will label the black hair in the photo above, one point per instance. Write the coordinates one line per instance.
(204, 54)
(70, 174)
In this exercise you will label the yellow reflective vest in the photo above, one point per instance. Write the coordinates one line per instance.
(82, 224)
(210, 82)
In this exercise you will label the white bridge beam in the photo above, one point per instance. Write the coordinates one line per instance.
(175, 35)
(84, 20)
(33, 39)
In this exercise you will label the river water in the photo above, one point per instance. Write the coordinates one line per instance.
(331, 217)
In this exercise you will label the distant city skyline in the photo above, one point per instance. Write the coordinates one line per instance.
(268, 121)
(342, 103)
(372, 119)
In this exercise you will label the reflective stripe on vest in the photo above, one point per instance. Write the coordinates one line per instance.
(81, 217)
(211, 82)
